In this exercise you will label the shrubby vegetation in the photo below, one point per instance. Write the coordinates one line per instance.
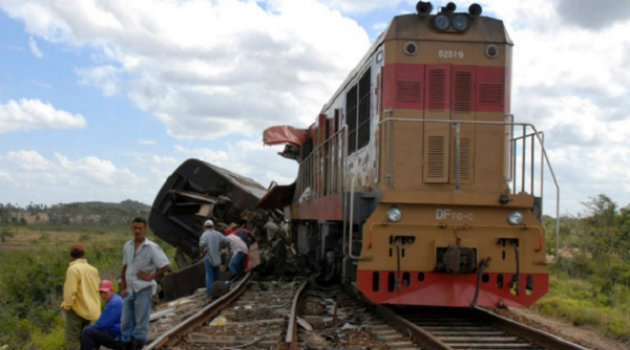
(32, 272)
(590, 284)
(31, 284)
(77, 214)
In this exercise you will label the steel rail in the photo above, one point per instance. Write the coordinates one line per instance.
(536, 336)
(289, 340)
(472, 328)
(422, 337)
(201, 316)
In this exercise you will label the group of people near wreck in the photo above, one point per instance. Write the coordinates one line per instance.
(123, 323)
(238, 239)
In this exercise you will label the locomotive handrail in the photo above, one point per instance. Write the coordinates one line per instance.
(306, 166)
(351, 221)
(535, 133)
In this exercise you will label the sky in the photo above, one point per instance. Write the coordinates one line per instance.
(101, 100)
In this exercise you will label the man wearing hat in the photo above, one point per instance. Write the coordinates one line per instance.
(106, 330)
(210, 243)
(80, 296)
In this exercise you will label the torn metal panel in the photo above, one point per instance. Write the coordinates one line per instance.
(284, 134)
(277, 197)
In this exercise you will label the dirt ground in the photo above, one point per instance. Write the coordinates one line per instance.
(587, 338)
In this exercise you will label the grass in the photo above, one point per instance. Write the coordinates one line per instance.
(584, 304)
(52, 338)
(33, 262)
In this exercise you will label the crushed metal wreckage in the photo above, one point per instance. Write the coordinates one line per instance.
(197, 191)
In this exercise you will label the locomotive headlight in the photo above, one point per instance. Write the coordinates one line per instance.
(441, 21)
(394, 214)
(515, 217)
(461, 22)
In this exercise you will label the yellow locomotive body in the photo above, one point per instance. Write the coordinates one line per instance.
(414, 182)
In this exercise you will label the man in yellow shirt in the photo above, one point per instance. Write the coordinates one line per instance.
(80, 296)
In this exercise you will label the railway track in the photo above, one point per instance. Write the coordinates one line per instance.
(253, 314)
(335, 319)
(302, 315)
(465, 328)
(274, 315)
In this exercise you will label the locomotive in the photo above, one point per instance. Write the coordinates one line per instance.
(415, 184)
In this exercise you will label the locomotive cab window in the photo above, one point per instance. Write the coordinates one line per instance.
(363, 136)
(358, 113)
(351, 118)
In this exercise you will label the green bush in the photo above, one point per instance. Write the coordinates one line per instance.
(590, 284)
(52, 337)
(32, 291)
(6, 232)
(14, 332)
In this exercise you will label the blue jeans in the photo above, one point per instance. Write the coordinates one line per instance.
(236, 264)
(135, 314)
(212, 274)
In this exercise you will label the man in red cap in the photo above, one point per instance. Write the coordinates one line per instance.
(80, 296)
(106, 331)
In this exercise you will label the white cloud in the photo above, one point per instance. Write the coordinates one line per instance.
(101, 171)
(29, 175)
(363, 6)
(5, 177)
(207, 69)
(27, 160)
(32, 44)
(157, 169)
(31, 114)
(102, 77)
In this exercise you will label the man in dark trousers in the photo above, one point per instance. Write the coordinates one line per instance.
(106, 330)
(80, 296)
(143, 262)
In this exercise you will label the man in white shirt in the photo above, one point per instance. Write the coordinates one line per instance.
(143, 262)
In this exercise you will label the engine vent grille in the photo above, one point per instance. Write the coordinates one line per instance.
(408, 91)
(437, 89)
(465, 159)
(491, 94)
(463, 92)
(435, 155)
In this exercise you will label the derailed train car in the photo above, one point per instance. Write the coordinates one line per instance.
(197, 191)
(415, 183)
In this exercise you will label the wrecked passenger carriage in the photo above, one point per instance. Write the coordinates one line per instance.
(414, 182)
(197, 191)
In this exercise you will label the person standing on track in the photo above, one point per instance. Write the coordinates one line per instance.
(210, 244)
(143, 262)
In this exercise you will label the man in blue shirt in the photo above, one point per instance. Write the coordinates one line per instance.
(210, 243)
(106, 330)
